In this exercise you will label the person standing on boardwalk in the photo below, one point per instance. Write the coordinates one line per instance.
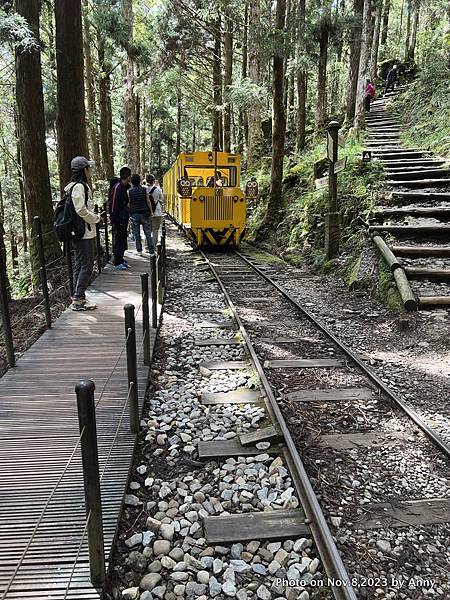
(84, 247)
(140, 214)
(119, 215)
(156, 201)
(391, 79)
(370, 94)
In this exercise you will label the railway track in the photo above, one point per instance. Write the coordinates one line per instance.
(257, 478)
(414, 213)
(329, 404)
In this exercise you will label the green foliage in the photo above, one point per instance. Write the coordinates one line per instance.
(301, 231)
(425, 107)
(14, 30)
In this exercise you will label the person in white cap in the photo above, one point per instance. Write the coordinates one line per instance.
(85, 247)
(391, 79)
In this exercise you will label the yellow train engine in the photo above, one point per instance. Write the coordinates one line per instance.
(203, 196)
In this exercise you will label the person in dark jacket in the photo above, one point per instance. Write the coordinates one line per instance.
(140, 214)
(119, 215)
(391, 79)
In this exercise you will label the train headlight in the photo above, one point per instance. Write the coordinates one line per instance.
(235, 198)
(210, 156)
(202, 198)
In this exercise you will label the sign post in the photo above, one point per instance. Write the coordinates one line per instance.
(332, 230)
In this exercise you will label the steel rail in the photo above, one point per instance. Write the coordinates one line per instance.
(331, 558)
(408, 410)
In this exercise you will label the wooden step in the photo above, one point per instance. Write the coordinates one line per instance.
(411, 163)
(431, 301)
(216, 365)
(418, 183)
(438, 251)
(418, 174)
(421, 196)
(412, 229)
(267, 525)
(418, 211)
(270, 434)
(426, 273)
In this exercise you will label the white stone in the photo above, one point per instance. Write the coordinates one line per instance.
(229, 589)
(167, 530)
(263, 593)
(134, 540)
(130, 593)
(161, 547)
(132, 500)
(203, 577)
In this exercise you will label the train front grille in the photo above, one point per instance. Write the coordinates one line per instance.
(218, 208)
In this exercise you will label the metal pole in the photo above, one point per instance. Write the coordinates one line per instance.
(68, 253)
(99, 243)
(159, 271)
(89, 454)
(105, 220)
(163, 244)
(145, 318)
(154, 293)
(6, 320)
(332, 233)
(43, 270)
(130, 333)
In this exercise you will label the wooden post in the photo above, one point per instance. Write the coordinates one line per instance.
(159, 272)
(332, 233)
(154, 291)
(105, 220)
(89, 453)
(99, 243)
(130, 333)
(4, 309)
(43, 270)
(145, 319)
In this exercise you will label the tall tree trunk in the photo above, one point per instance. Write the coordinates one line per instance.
(31, 126)
(243, 123)
(413, 36)
(178, 146)
(217, 134)
(143, 132)
(106, 133)
(70, 114)
(255, 135)
(385, 29)
(228, 80)
(376, 40)
(321, 106)
(286, 58)
(364, 63)
(23, 209)
(301, 80)
(408, 29)
(278, 118)
(130, 114)
(194, 132)
(94, 145)
(355, 53)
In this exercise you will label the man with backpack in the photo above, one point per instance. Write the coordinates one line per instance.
(156, 202)
(391, 79)
(140, 214)
(79, 193)
(119, 214)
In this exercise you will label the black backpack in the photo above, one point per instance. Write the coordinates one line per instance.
(67, 223)
(152, 200)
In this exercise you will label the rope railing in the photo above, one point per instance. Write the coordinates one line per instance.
(87, 438)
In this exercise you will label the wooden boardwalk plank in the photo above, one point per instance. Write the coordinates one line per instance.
(218, 342)
(39, 430)
(410, 513)
(270, 525)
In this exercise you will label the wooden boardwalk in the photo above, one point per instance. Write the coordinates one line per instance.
(38, 434)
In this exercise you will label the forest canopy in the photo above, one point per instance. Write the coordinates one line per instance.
(135, 82)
